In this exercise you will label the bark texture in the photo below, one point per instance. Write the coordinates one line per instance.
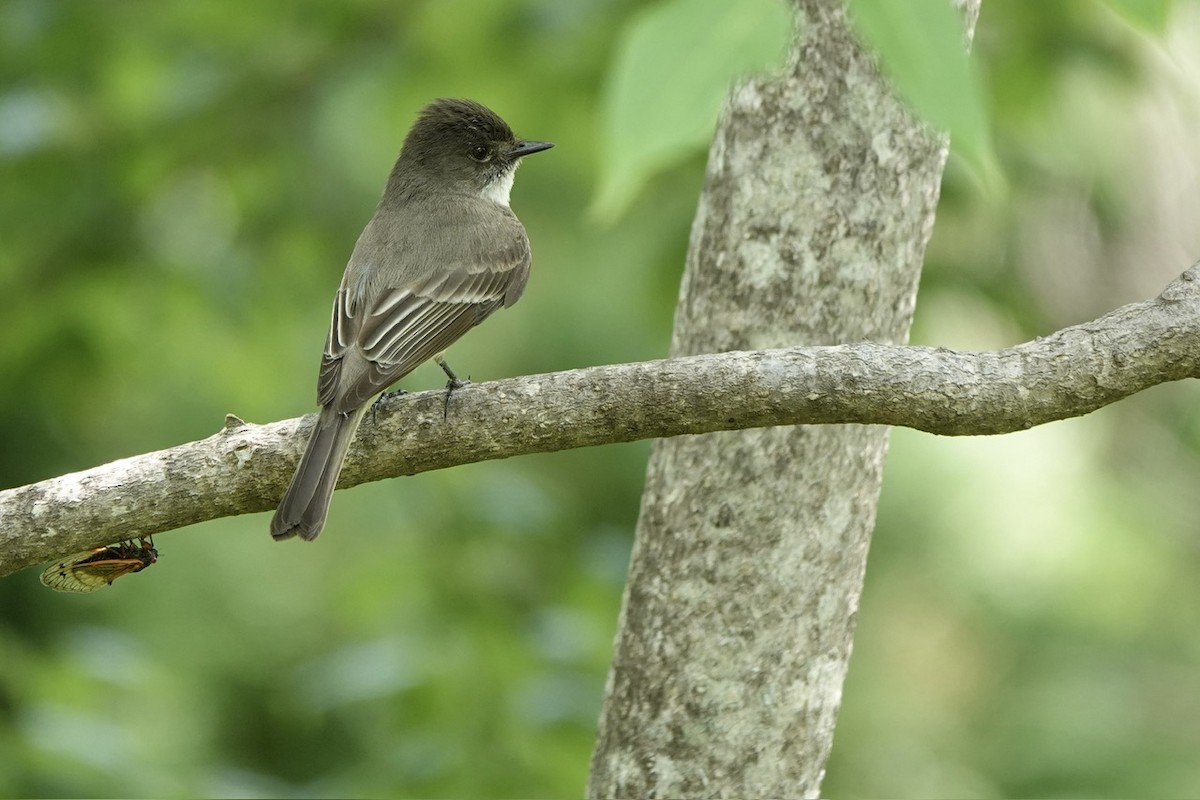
(738, 615)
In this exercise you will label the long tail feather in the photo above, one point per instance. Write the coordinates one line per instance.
(303, 508)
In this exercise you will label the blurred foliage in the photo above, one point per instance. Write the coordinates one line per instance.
(919, 44)
(661, 103)
(180, 185)
(1149, 14)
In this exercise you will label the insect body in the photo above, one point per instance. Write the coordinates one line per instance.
(99, 567)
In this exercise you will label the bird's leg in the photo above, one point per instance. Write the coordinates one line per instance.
(454, 383)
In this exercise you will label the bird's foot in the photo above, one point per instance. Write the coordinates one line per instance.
(452, 384)
(383, 398)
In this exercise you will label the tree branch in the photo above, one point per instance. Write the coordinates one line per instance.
(244, 467)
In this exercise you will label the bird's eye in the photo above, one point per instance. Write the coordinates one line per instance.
(480, 153)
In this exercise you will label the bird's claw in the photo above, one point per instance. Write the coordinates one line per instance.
(382, 398)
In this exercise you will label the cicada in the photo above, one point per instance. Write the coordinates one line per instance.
(99, 567)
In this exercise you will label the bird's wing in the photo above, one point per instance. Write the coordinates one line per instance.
(407, 325)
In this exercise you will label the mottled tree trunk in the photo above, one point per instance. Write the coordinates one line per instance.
(739, 611)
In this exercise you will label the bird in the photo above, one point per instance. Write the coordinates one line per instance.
(442, 252)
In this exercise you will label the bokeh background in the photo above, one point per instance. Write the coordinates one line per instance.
(180, 186)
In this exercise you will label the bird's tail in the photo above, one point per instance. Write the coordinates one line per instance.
(303, 508)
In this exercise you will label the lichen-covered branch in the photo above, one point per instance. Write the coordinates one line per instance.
(244, 467)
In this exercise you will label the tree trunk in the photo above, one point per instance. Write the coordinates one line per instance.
(736, 626)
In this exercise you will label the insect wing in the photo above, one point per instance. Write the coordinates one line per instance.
(95, 569)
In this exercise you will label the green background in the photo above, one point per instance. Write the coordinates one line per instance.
(180, 185)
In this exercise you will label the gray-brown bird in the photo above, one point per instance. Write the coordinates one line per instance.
(443, 251)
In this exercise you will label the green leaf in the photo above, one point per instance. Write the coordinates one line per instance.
(1149, 15)
(921, 47)
(674, 66)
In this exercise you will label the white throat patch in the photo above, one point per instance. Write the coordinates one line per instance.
(498, 190)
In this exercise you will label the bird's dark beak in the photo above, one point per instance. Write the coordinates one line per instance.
(524, 148)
